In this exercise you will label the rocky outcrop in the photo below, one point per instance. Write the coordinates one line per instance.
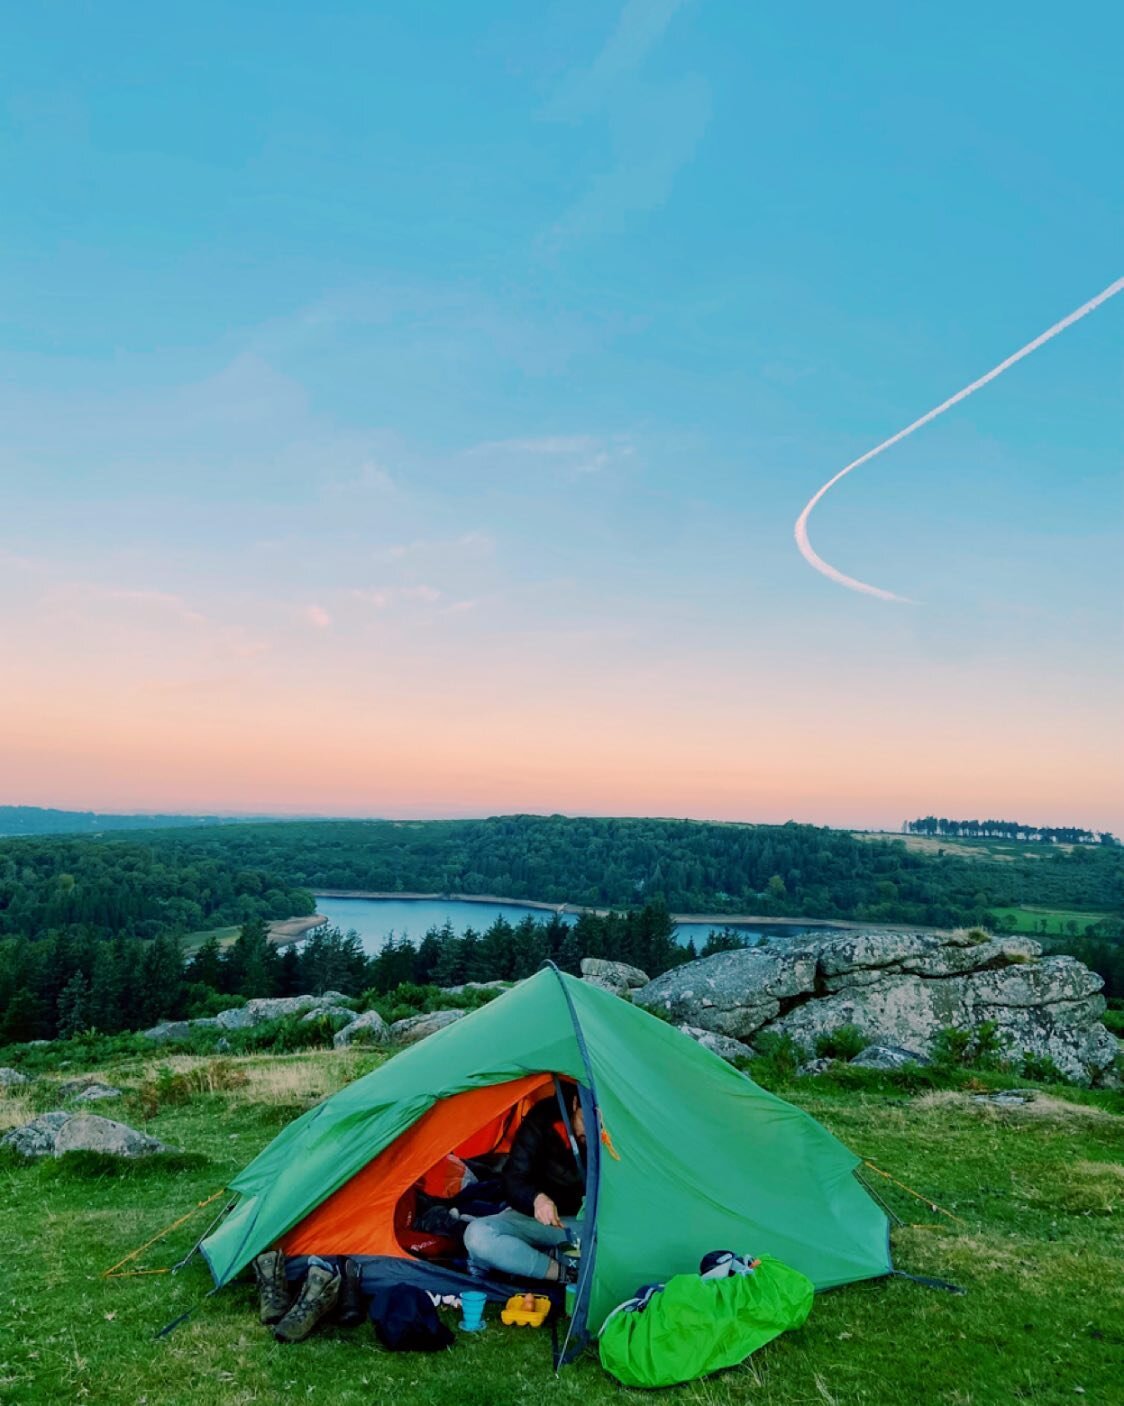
(12, 1078)
(267, 1008)
(899, 989)
(417, 1027)
(53, 1134)
(734, 993)
(617, 977)
(366, 1029)
(257, 1012)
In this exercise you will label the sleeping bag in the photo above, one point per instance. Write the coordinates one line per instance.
(692, 1326)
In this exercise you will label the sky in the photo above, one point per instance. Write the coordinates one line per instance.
(405, 409)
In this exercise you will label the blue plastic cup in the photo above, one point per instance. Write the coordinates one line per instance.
(472, 1310)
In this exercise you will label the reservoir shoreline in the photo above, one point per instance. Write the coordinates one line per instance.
(717, 920)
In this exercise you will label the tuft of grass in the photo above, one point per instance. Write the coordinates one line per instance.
(16, 1109)
(168, 1086)
(843, 1043)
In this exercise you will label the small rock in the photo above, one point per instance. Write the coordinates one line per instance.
(94, 1093)
(86, 1132)
(333, 1013)
(613, 976)
(614, 988)
(887, 1057)
(475, 986)
(1006, 1098)
(37, 1138)
(10, 1078)
(717, 1044)
(816, 1066)
(87, 1090)
(52, 1134)
(417, 1027)
(173, 1031)
(368, 1028)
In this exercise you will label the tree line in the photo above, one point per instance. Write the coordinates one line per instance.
(691, 866)
(1007, 830)
(63, 986)
(110, 914)
(125, 888)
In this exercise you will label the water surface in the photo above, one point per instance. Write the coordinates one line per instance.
(374, 919)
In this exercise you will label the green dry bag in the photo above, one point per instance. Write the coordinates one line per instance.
(694, 1326)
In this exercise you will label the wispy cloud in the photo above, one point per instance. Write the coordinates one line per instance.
(382, 597)
(82, 594)
(145, 622)
(469, 544)
(640, 26)
(578, 453)
(316, 616)
(652, 127)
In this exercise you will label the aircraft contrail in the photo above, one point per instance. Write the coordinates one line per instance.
(801, 530)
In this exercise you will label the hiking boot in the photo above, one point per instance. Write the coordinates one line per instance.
(351, 1309)
(273, 1288)
(317, 1298)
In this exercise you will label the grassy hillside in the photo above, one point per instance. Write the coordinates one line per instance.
(1037, 1190)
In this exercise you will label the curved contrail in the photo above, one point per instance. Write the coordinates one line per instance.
(801, 529)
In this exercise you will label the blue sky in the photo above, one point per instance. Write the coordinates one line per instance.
(447, 378)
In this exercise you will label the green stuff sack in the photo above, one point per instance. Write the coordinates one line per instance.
(695, 1326)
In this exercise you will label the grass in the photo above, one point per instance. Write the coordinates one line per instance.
(1037, 1191)
(1030, 920)
(194, 940)
(968, 846)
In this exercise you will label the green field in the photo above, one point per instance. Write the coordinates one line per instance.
(1055, 922)
(194, 940)
(969, 846)
(1038, 1192)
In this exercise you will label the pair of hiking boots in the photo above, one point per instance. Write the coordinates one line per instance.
(325, 1289)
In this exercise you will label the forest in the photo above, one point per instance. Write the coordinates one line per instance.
(691, 866)
(63, 986)
(92, 929)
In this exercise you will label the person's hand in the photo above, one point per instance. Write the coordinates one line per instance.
(546, 1212)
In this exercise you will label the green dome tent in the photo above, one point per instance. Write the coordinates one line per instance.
(689, 1155)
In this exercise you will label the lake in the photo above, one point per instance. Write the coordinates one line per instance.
(374, 919)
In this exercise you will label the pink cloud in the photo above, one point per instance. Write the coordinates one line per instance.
(316, 616)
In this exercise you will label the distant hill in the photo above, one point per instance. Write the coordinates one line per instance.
(36, 820)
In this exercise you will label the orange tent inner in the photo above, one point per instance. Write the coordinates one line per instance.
(358, 1218)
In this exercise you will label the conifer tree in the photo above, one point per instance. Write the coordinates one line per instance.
(72, 1004)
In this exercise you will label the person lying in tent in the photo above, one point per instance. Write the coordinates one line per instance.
(544, 1183)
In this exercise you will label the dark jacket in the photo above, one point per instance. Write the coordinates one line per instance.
(541, 1160)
